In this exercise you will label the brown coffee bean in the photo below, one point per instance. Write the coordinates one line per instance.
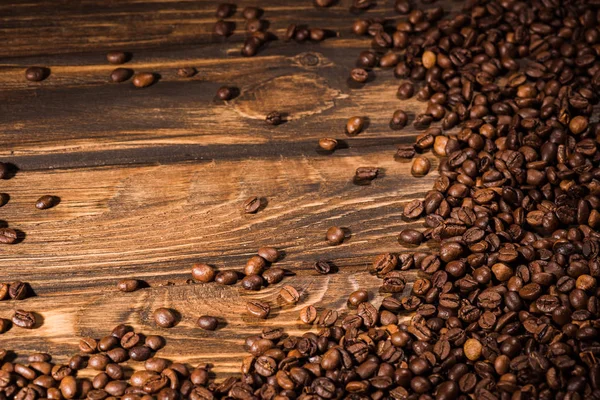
(429, 59)
(258, 309)
(274, 118)
(165, 317)
(144, 79)
(274, 275)
(399, 121)
(24, 319)
(406, 91)
(411, 237)
(251, 205)
(207, 323)
(203, 273)
(119, 75)
(323, 267)
(357, 297)
(355, 125)
(328, 144)
(289, 294)
(308, 314)
(8, 236)
(421, 166)
(36, 74)
(46, 202)
(335, 235)
(252, 282)
(226, 278)
(472, 349)
(186, 72)
(225, 93)
(359, 75)
(128, 285)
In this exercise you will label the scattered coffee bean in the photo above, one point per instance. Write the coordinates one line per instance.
(8, 236)
(421, 166)
(165, 317)
(225, 93)
(274, 275)
(359, 75)
(258, 309)
(119, 75)
(24, 319)
(226, 278)
(225, 10)
(186, 72)
(203, 273)
(355, 125)
(406, 91)
(116, 57)
(366, 173)
(429, 59)
(322, 267)
(411, 237)
(143, 79)
(289, 294)
(399, 120)
(308, 314)
(223, 28)
(251, 205)
(46, 202)
(328, 144)
(335, 235)
(207, 323)
(36, 74)
(251, 12)
(357, 297)
(128, 285)
(274, 118)
(269, 254)
(252, 282)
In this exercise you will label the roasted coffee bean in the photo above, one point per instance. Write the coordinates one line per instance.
(414, 209)
(421, 166)
(355, 125)
(226, 278)
(251, 12)
(411, 237)
(128, 285)
(359, 75)
(207, 323)
(165, 317)
(24, 319)
(327, 318)
(308, 314)
(399, 121)
(335, 235)
(289, 294)
(274, 118)
(328, 144)
(252, 282)
(251, 205)
(366, 174)
(36, 74)
(144, 79)
(274, 275)
(46, 202)
(116, 57)
(322, 267)
(225, 10)
(406, 91)
(203, 273)
(119, 75)
(223, 28)
(255, 265)
(258, 309)
(225, 93)
(186, 72)
(19, 290)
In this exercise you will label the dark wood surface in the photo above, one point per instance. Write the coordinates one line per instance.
(151, 180)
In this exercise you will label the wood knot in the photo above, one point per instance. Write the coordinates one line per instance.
(296, 96)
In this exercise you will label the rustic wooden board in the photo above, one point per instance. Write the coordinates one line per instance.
(151, 180)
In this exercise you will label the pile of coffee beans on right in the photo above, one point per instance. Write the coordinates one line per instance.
(507, 306)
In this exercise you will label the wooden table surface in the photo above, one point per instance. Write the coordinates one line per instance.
(151, 180)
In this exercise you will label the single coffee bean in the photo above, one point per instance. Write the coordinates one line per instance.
(355, 125)
(24, 319)
(411, 237)
(406, 91)
(143, 79)
(36, 74)
(119, 75)
(46, 202)
(255, 265)
(308, 314)
(225, 10)
(251, 205)
(186, 72)
(258, 309)
(251, 12)
(226, 278)
(578, 124)
(207, 323)
(88, 345)
(289, 294)
(273, 275)
(116, 57)
(225, 93)
(421, 166)
(128, 285)
(251, 46)
(252, 282)
(274, 118)
(140, 353)
(472, 349)
(8, 236)
(165, 317)
(155, 342)
(429, 59)
(357, 297)
(328, 144)
(335, 235)
(322, 267)
(399, 120)
(317, 34)
(402, 6)
(359, 75)
(223, 28)
(366, 173)
(269, 254)
(203, 273)
(327, 318)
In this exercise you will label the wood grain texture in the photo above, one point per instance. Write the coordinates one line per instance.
(151, 180)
